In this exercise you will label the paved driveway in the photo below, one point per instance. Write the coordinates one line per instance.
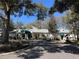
(45, 51)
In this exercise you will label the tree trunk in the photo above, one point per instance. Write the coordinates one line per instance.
(6, 31)
(6, 24)
(6, 28)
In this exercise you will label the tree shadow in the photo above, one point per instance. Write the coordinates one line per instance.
(36, 50)
(33, 53)
(70, 49)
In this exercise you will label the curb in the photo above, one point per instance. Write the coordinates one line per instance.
(7, 53)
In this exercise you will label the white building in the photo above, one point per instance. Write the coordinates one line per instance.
(37, 33)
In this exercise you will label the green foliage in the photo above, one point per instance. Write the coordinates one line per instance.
(71, 17)
(52, 10)
(63, 5)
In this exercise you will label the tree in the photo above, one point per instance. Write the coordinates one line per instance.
(52, 25)
(11, 25)
(11, 7)
(28, 26)
(19, 25)
(63, 5)
(72, 19)
(1, 23)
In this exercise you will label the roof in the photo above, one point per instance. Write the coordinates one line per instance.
(34, 30)
(39, 30)
(64, 31)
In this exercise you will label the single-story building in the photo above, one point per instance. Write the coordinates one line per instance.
(37, 33)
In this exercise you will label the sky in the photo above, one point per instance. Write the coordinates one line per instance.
(30, 19)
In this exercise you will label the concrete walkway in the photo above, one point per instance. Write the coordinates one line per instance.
(59, 56)
(52, 51)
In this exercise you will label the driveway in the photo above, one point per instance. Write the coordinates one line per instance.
(44, 50)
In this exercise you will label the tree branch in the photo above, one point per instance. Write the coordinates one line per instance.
(3, 17)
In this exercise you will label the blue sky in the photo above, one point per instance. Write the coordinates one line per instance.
(46, 3)
(30, 19)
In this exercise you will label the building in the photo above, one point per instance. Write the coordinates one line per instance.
(37, 33)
